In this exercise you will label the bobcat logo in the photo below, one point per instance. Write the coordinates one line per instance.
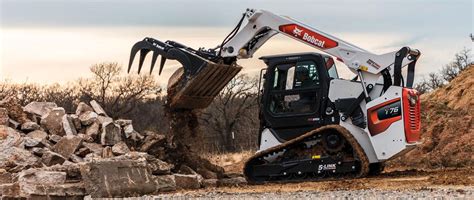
(297, 31)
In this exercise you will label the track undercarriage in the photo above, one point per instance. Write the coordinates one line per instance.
(329, 152)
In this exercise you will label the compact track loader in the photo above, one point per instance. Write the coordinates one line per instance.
(314, 125)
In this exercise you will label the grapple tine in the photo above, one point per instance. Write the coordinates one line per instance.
(162, 63)
(143, 53)
(133, 52)
(153, 60)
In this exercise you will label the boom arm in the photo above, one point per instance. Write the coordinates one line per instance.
(262, 25)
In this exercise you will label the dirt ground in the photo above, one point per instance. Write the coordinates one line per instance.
(446, 183)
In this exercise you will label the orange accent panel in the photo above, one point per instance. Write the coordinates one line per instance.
(411, 116)
(377, 126)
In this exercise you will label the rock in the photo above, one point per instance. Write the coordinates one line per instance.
(120, 148)
(184, 169)
(85, 138)
(207, 174)
(188, 181)
(56, 191)
(14, 159)
(10, 191)
(4, 117)
(30, 126)
(38, 134)
(38, 176)
(32, 142)
(107, 152)
(39, 108)
(93, 130)
(50, 158)
(111, 134)
(152, 141)
(165, 183)
(54, 138)
(83, 151)
(13, 124)
(68, 125)
(124, 178)
(72, 171)
(93, 147)
(15, 111)
(88, 117)
(104, 119)
(9, 137)
(67, 145)
(76, 121)
(209, 183)
(159, 167)
(128, 130)
(52, 122)
(5, 177)
(227, 182)
(76, 159)
(37, 151)
(123, 122)
(82, 108)
(97, 108)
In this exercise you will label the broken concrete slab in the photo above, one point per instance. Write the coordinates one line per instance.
(231, 182)
(165, 183)
(50, 158)
(82, 108)
(5, 177)
(188, 181)
(104, 119)
(209, 183)
(111, 134)
(76, 121)
(4, 116)
(88, 117)
(54, 138)
(123, 122)
(159, 167)
(97, 108)
(38, 151)
(67, 145)
(93, 130)
(13, 124)
(39, 108)
(32, 142)
(151, 141)
(14, 159)
(30, 126)
(9, 137)
(120, 149)
(52, 122)
(38, 134)
(93, 147)
(107, 152)
(68, 125)
(39, 176)
(124, 178)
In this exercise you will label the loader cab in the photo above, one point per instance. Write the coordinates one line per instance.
(295, 94)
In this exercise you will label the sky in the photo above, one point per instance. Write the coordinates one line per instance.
(49, 41)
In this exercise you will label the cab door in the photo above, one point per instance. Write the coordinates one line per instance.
(295, 94)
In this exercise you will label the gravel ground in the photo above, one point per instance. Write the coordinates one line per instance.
(426, 193)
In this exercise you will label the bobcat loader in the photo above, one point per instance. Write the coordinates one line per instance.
(314, 125)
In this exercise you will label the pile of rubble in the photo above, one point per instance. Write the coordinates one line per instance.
(45, 152)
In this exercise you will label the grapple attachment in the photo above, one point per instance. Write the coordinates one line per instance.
(197, 82)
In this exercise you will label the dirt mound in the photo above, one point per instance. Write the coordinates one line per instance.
(447, 129)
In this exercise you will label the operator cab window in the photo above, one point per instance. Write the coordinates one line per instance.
(295, 88)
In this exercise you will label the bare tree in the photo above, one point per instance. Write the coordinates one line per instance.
(117, 94)
(235, 104)
(434, 81)
(422, 87)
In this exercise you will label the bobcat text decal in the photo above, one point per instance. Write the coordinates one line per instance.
(308, 36)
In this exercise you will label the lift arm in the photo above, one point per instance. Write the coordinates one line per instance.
(262, 25)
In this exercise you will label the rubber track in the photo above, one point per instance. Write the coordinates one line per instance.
(364, 169)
